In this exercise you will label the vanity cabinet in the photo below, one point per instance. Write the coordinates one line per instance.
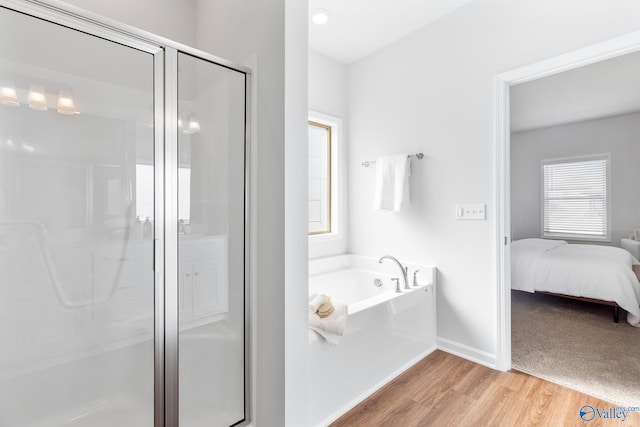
(202, 279)
(121, 285)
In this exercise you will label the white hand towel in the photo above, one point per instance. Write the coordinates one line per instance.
(392, 183)
(331, 327)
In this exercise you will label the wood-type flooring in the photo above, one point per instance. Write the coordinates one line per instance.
(446, 390)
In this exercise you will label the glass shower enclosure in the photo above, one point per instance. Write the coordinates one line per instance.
(123, 236)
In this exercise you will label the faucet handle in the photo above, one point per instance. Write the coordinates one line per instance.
(415, 278)
(397, 280)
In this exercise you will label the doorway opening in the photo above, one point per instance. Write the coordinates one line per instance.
(505, 83)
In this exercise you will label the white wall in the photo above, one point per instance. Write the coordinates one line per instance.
(618, 135)
(173, 19)
(327, 85)
(433, 92)
(296, 216)
(328, 96)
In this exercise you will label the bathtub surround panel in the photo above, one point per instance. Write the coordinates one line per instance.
(385, 333)
(433, 92)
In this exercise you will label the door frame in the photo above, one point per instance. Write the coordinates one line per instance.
(612, 48)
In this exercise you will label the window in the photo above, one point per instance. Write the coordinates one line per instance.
(327, 185)
(145, 191)
(575, 198)
(320, 140)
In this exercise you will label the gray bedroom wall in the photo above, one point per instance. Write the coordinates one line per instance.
(618, 135)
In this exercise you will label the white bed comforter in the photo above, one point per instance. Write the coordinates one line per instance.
(590, 271)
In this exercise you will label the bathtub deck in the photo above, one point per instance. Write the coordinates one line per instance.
(445, 390)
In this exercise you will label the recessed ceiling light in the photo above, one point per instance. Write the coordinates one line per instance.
(320, 17)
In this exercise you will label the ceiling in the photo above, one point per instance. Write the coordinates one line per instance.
(604, 89)
(357, 28)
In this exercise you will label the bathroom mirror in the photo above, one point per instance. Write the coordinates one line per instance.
(319, 178)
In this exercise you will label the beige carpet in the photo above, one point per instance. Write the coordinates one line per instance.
(576, 344)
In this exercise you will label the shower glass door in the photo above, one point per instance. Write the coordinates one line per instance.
(76, 228)
(210, 213)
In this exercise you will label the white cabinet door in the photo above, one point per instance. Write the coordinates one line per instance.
(209, 287)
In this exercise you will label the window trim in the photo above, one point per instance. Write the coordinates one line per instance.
(330, 177)
(578, 237)
(334, 243)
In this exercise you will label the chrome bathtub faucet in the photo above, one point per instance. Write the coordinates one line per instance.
(404, 270)
(397, 280)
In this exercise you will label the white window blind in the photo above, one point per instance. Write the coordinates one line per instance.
(575, 198)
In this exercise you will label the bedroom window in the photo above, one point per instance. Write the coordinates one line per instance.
(575, 198)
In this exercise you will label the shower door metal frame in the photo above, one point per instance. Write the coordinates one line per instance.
(165, 265)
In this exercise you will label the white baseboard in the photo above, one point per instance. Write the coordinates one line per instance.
(352, 404)
(466, 352)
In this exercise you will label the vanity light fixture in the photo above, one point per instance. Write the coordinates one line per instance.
(193, 125)
(8, 95)
(28, 148)
(37, 99)
(320, 16)
(66, 105)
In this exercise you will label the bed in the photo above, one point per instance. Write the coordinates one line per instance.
(602, 274)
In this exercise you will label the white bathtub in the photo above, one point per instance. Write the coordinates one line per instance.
(356, 288)
(386, 332)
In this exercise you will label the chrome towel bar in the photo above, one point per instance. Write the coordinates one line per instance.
(418, 156)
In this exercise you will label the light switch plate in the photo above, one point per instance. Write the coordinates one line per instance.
(476, 212)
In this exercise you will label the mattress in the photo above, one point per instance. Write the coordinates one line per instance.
(589, 271)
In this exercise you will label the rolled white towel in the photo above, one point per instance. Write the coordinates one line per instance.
(331, 327)
(315, 301)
